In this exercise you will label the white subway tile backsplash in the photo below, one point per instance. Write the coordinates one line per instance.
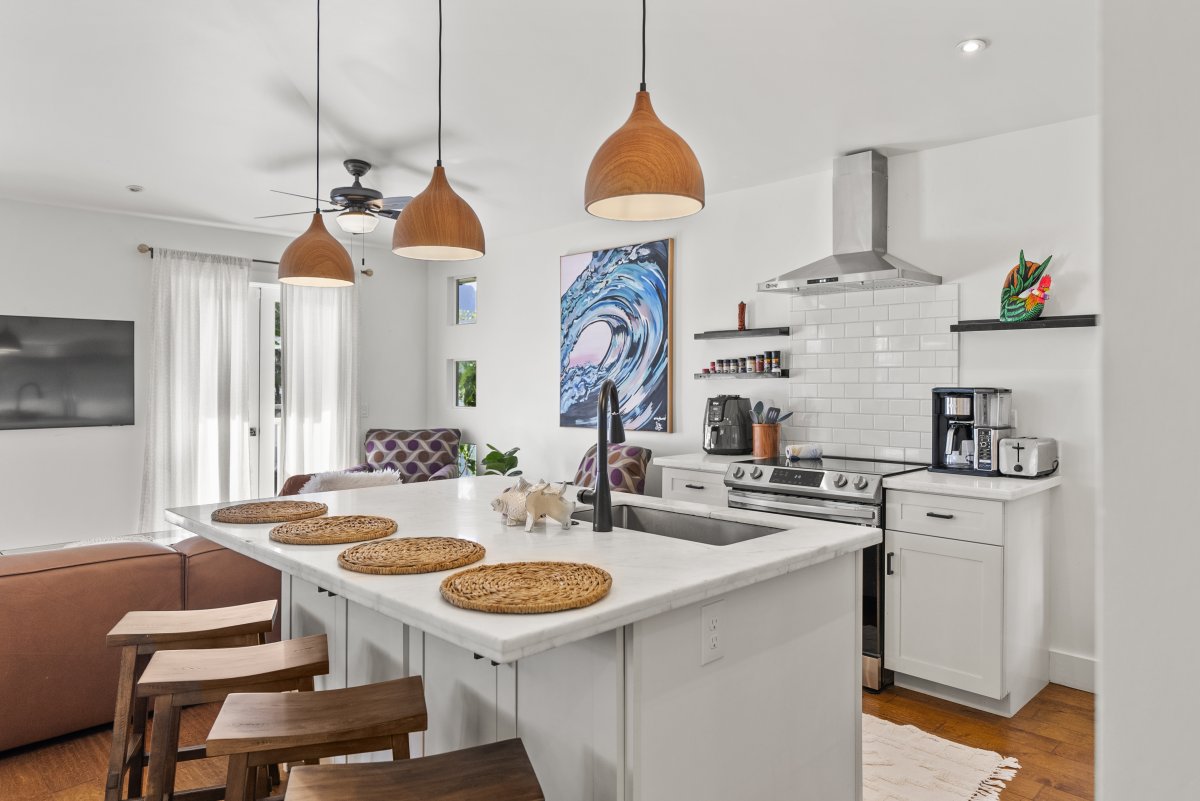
(859, 359)
(863, 364)
(832, 331)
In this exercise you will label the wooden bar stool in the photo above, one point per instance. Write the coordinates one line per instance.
(139, 635)
(496, 772)
(175, 679)
(256, 730)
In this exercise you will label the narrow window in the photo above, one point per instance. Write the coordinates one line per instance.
(467, 456)
(465, 302)
(464, 383)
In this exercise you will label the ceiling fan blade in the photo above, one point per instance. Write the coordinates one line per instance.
(306, 197)
(395, 203)
(294, 213)
(391, 214)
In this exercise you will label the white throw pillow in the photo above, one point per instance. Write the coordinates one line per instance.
(342, 480)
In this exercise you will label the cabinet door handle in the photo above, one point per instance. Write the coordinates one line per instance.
(889, 564)
(939, 515)
(694, 486)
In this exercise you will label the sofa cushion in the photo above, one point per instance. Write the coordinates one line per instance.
(56, 673)
(215, 576)
(418, 454)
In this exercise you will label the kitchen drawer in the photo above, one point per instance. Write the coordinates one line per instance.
(694, 485)
(967, 519)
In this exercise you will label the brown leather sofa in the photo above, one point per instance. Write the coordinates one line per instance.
(56, 674)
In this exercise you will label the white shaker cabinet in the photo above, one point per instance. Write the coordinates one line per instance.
(315, 610)
(965, 597)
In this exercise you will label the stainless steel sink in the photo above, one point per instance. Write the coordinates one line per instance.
(681, 526)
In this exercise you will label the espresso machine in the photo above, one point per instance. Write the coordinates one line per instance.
(968, 424)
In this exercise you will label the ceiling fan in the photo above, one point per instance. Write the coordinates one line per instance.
(360, 206)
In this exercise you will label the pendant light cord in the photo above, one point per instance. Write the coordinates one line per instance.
(317, 191)
(439, 158)
(643, 44)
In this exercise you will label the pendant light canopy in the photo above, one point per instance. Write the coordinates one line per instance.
(438, 225)
(315, 258)
(644, 171)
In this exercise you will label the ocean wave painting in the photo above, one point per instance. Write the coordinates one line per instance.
(616, 323)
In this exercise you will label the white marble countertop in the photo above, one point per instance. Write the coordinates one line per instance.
(992, 488)
(651, 574)
(706, 462)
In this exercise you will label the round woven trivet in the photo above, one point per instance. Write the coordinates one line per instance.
(527, 587)
(410, 555)
(334, 530)
(269, 512)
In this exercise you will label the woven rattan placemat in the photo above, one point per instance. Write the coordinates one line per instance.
(527, 587)
(334, 530)
(269, 512)
(410, 555)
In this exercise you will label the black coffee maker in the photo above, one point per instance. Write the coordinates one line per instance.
(968, 424)
(727, 425)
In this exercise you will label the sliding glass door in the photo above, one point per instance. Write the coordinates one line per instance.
(266, 389)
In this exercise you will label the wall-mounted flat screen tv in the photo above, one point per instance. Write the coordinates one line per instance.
(57, 372)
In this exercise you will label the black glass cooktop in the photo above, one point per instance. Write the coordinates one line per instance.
(878, 467)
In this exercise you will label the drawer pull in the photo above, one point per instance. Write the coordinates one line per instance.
(939, 515)
(889, 564)
(694, 486)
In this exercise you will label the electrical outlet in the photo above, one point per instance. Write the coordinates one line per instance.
(712, 644)
(364, 411)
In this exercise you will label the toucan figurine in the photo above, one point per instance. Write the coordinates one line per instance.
(1027, 276)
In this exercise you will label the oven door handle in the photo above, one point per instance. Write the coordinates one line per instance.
(796, 508)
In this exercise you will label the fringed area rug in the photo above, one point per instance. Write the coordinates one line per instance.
(903, 763)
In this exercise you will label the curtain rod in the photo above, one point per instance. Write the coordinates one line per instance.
(144, 248)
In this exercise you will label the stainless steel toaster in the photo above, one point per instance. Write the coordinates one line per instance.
(1028, 457)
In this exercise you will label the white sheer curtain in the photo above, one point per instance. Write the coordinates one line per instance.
(196, 444)
(319, 331)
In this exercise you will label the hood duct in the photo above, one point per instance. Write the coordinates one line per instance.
(860, 260)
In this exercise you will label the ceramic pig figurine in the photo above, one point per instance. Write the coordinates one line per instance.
(542, 501)
(511, 503)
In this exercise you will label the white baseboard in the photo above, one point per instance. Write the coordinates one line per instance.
(1073, 670)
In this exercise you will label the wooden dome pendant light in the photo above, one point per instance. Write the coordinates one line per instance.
(315, 258)
(644, 171)
(438, 225)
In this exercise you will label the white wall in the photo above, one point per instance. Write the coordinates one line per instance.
(63, 262)
(720, 255)
(962, 211)
(1149, 543)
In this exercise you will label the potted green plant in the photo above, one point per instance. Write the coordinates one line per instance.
(500, 463)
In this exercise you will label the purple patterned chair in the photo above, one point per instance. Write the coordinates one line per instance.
(627, 466)
(423, 454)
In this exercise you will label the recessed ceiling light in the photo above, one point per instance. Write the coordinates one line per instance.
(972, 46)
(135, 188)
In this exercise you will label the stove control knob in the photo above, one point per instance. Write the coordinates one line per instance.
(738, 472)
(756, 473)
(839, 481)
(860, 483)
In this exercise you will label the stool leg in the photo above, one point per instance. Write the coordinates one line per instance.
(137, 757)
(123, 717)
(164, 746)
(239, 781)
(400, 747)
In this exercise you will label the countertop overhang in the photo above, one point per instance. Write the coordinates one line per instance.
(651, 574)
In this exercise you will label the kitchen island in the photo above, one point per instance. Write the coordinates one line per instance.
(612, 700)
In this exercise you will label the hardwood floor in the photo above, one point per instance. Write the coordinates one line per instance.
(1052, 737)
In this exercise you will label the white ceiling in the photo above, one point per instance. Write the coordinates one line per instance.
(210, 104)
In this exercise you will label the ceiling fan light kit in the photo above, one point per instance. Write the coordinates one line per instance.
(644, 170)
(357, 221)
(438, 225)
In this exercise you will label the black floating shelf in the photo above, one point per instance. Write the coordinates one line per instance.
(777, 331)
(1065, 321)
(710, 376)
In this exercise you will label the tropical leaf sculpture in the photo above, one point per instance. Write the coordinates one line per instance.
(1027, 276)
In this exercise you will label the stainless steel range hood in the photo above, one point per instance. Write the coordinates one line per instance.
(860, 260)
